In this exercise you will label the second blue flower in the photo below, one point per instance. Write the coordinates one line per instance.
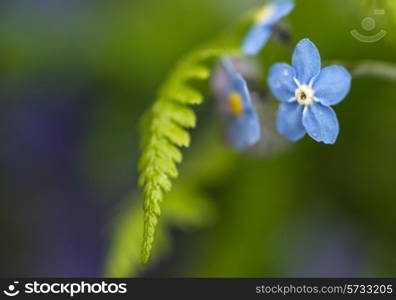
(306, 93)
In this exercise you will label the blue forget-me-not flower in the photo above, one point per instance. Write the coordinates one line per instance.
(306, 93)
(243, 126)
(261, 30)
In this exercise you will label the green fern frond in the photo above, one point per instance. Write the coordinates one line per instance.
(186, 208)
(166, 129)
(123, 258)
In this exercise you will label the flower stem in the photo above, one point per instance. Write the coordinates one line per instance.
(370, 68)
(383, 70)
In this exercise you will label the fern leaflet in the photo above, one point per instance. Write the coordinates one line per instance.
(165, 130)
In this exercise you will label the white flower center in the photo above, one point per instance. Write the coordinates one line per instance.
(304, 95)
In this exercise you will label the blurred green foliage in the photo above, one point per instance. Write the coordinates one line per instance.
(243, 209)
(186, 207)
(259, 200)
(165, 125)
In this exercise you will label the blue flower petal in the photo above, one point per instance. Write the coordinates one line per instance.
(244, 130)
(256, 39)
(321, 123)
(306, 61)
(281, 9)
(332, 85)
(275, 11)
(281, 83)
(289, 121)
(261, 31)
(238, 84)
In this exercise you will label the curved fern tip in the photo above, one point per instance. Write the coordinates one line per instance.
(165, 130)
(145, 259)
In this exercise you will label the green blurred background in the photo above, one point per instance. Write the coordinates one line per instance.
(75, 78)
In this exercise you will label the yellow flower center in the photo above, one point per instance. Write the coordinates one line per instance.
(235, 103)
